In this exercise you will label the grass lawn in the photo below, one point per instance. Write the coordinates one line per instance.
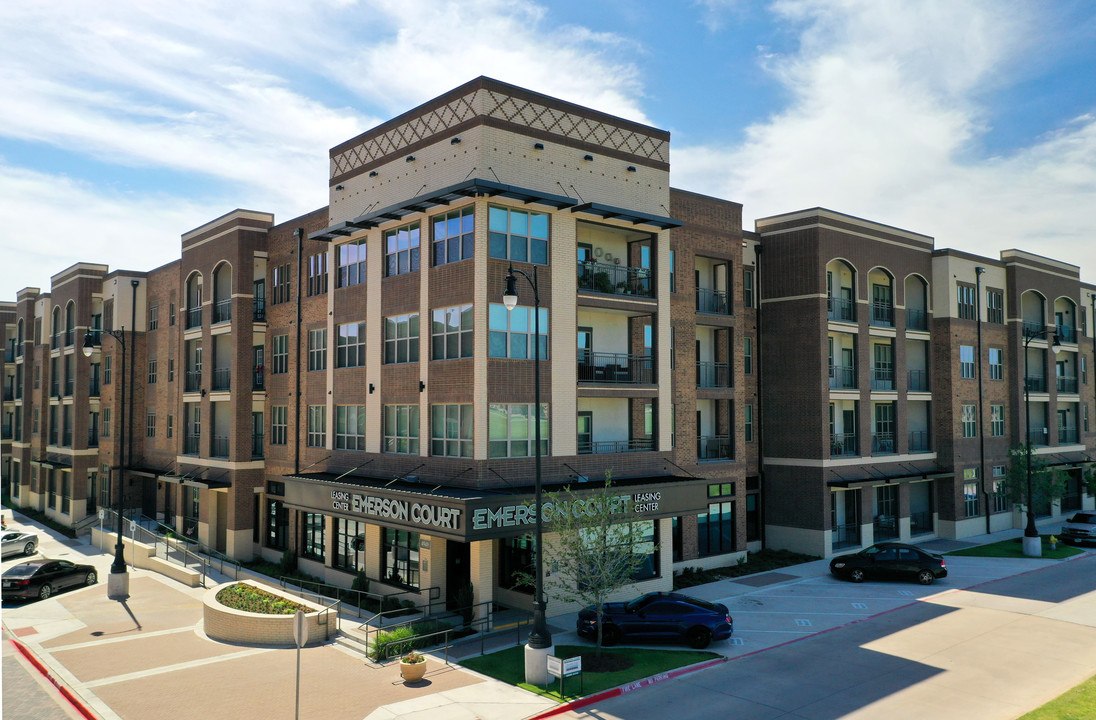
(509, 666)
(1076, 704)
(1015, 549)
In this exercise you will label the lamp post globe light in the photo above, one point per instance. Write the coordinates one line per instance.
(1033, 545)
(539, 646)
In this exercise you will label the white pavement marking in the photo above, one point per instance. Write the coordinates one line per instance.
(174, 668)
(801, 622)
(98, 643)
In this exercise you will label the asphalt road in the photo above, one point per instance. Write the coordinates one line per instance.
(27, 695)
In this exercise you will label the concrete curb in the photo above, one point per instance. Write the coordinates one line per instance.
(68, 694)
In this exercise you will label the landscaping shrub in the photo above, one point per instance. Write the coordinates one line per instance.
(252, 599)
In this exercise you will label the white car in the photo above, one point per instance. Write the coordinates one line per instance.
(18, 543)
(1079, 529)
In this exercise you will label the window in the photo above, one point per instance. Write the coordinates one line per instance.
(1084, 415)
(349, 540)
(279, 354)
(454, 236)
(350, 348)
(400, 557)
(312, 536)
(970, 422)
(108, 363)
(106, 423)
(966, 302)
(350, 427)
(401, 338)
(451, 430)
(995, 307)
(716, 529)
(171, 369)
(279, 278)
(317, 349)
(753, 517)
(1084, 370)
(171, 314)
(451, 333)
(317, 274)
(996, 365)
(511, 432)
(317, 425)
(153, 317)
(150, 424)
(170, 430)
(351, 264)
(401, 253)
(401, 429)
(997, 420)
(747, 287)
(747, 355)
(509, 331)
(673, 278)
(1000, 496)
(748, 423)
(970, 499)
(966, 361)
(277, 525)
(151, 370)
(278, 424)
(518, 235)
(515, 563)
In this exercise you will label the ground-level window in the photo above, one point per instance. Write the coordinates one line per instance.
(277, 525)
(970, 499)
(400, 557)
(715, 529)
(516, 562)
(312, 536)
(349, 539)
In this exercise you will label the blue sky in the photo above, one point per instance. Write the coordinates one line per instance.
(126, 124)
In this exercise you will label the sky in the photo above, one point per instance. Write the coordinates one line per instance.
(126, 124)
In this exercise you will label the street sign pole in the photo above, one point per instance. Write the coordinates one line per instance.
(300, 634)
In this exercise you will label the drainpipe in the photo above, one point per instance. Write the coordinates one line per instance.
(981, 408)
(299, 233)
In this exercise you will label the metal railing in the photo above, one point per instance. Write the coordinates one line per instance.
(70, 337)
(843, 536)
(917, 381)
(218, 446)
(70, 385)
(919, 441)
(222, 379)
(1033, 328)
(258, 380)
(1067, 434)
(94, 388)
(193, 317)
(840, 309)
(192, 381)
(882, 443)
(885, 527)
(882, 314)
(93, 437)
(1035, 384)
(921, 523)
(190, 444)
(1037, 437)
(844, 445)
(713, 374)
(1066, 384)
(842, 377)
(615, 368)
(259, 311)
(9, 355)
(882, 378)
(222, 311)
(66, 438)
(916, 320)
(712, 302)
(257, 447)
(1067, 333)
(614, 279)
(608, 447)
(714, 447)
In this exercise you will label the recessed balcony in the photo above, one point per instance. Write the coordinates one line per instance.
(714, 447)
(842, 377)
(615, 368)
(615, 279)
(844, 445)
(713, 375)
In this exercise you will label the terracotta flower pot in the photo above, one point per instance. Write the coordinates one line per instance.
(412, 672)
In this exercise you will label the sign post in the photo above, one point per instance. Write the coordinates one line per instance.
(300, 635)
(565, 668)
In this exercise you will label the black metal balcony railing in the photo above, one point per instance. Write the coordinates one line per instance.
(9, 393)
(1066, 384)
(69, 386)
(222, 379)
(842, 377)
(96, 336)
(921, 523)
(1067, 434)
(614, 279)
(846, 535)
(714, 447)
(5, 432)
(259, 311)
(1033, 328)
(93, 388)
(916, 320)
(222, 311)
(257, 446)
(841, 310)
(919, 441)
(192, 381)
(56, 344)
(917, 381)
(9, 355)
(1035, 384)
(193, 317)
(882, 443)
(53, 437)
(258, 380)
(55, 389)
(882, 314)
(1037, 437)
(70, 337)
(190, 444)
(218, 446)
(1067, 333)
(844, 445)
(93, 437)
(713, 302)
(18, 392)
(882, 378)
(885, 527)
(610, 447)
(66, 438)
(616, 368)
(713, 375)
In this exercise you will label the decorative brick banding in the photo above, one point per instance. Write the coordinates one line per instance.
(238, 626)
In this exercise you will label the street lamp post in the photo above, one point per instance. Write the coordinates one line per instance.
(1033, 546)
(540, 638)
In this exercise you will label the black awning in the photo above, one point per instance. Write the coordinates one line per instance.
(444, 196)
(854, 475)
(55, 463)
(633, 216)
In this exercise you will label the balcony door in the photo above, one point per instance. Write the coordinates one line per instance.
(585, 432)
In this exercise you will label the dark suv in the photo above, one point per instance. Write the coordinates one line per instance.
(658, 616)
(1079, 528)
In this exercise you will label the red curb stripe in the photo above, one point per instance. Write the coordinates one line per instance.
(68, 694)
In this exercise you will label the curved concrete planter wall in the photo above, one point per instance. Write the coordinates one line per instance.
(224, 623)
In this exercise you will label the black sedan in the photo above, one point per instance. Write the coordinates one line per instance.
(42, 578)
(658, 616)
(890, 561)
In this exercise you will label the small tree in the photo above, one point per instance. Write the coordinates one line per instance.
(1047, 483)
(594, 552)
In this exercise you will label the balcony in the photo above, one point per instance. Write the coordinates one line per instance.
(714, 447)
(841, 310)
(917, 320)
(712, 302)
(920, 441)
(193, 381)
(1067, 333)
(612, 447)
(842, 377)
(1067, 434)
(190, 444)
(713, 375)
(882, 443)
(1037, 437)
(69, 386)
(5, 432)
(222, 311)
(9, 355)
(222, 379)
(615, 368)
(1035, 384)
(882, 314)
(1034, 329)
(56, 343)
(96, 336)
(93, 388)
(258, 314)
(9, 393)
(70, 337)
(1067, 384)
(93, 437)
(66, 438)
(614, 279)
(258, 379)
(882, 379)
(917, 381)
(55, 389)
(257, 446)
(218, 447)
(844, 445)
(193, 318)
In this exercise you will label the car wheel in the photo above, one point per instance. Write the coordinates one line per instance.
(28, 549)
(44, 592)
(700, 638)
(925, 577)
(91, 578)
(610, 635)
(856, 575)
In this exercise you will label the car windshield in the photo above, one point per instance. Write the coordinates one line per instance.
(1084, 518)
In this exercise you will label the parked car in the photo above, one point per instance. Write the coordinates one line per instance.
(890, 561)
(1079, 529)
(42, 578)
(13, 542)
(658, 616)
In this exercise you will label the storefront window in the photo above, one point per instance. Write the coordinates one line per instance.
(646, 545)
(400, 558)
(516, 557)
(277, 525)
(312, 536)
(349, 536)
(716, 529)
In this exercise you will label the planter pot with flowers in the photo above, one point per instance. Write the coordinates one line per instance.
(413, 666)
